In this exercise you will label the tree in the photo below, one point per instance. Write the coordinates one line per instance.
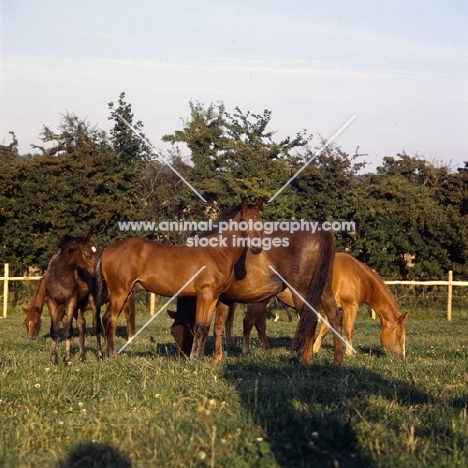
(327, 189)
(129, 148)
(405, 223)
(235, 156)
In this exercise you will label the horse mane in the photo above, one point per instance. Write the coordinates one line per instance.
(375, 277)
(66, 240)
(39, 296)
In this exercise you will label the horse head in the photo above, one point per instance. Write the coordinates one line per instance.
(33, 322)
(251, 224)
(393, 336)
(81, 250)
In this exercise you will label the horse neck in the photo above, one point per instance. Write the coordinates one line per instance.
(63, 267)
(381, 299)
(39, 297)
(234, 247)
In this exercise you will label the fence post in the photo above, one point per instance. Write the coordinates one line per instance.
(6, 274)
(152, 303)
(449, 298)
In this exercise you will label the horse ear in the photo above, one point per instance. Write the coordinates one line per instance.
(171, 314)
(25, 310)
(259, 203)
(89, 236)
(404, 317)
(245, 204)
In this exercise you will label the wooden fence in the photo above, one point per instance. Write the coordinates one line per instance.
(449, 283)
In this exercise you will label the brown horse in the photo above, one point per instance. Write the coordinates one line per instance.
(354, 284)
(204, 271)
(66, 294)
(33, 319)
(305, 261)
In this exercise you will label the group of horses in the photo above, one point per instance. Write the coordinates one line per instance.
(304, 274)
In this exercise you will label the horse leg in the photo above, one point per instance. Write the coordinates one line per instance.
(81, 326)
(220, 321)
(256, 315)
(335, 319)
(68, 328)
(97, 327)
(324, 329)
(349, 319)
(248, 323)
(205, 307)
(109, 322)
(56, 315)
(129, 311)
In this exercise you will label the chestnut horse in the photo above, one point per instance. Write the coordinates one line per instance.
(165, 270)
(303, 260)
(354, 284)
(33, 319)
(67, 295)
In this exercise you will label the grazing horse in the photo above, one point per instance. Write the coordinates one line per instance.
(354, 284)
(304, 260)
(66, 293)
(33, 319)
(204, 271)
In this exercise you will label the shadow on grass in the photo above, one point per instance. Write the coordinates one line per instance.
(95, 455)
(308, 412)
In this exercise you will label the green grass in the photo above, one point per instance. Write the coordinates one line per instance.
(148, 409)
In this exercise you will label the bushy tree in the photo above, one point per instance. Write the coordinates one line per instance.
(406, 223)
(234, 156)
(411, 216)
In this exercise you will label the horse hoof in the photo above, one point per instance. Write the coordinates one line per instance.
(215, 361)
(54, 360)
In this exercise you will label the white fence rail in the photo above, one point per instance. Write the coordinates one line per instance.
(449, 283)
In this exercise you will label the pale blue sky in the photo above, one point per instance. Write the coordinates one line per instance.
(400, 66)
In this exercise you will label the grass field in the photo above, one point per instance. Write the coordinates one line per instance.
(147, 409)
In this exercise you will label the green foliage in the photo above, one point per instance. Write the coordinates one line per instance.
(407, 222)
(128, 147)
(235, 156)
(411, 216)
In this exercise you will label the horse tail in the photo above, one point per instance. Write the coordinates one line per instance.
(322, 274)
(100, 290)
(229, 323)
